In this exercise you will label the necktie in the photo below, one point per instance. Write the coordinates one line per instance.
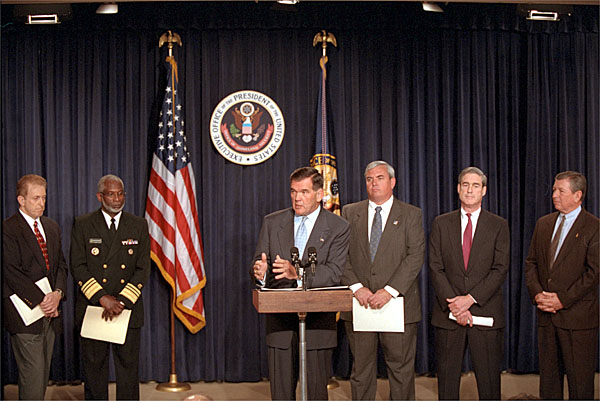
(42, 243)
(554, 243)
(301, 237)
(113, 227)
(467, 241)
(375, 233)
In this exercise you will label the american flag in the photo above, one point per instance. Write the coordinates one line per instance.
(176, 243)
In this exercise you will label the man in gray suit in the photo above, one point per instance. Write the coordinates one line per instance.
(469, 252)
(386, 253)
(306, 224)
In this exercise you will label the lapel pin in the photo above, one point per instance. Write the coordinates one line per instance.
(395, 222)
(577, 235)
(130, 251)
(95, 251)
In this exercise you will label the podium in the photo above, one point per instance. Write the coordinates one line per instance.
(302, 302)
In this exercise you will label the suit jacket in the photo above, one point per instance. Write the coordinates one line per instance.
(574, 275)
(485, 273)
(329, 236)
(399, 255)
(103, 266)
(23, 264)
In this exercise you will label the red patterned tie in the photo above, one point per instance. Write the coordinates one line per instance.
(40, 240)
(467, 241)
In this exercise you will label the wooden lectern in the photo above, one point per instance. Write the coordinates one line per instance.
(302, 302)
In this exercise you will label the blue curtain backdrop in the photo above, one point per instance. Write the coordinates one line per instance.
(429, 93)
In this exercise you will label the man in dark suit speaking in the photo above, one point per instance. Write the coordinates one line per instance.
(387, 246)
(469, 254)
(306, 224)
(32, 251)
(561, 272)
(110, 262)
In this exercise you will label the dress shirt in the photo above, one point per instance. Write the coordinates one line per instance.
(464, 220)
(569, 220)
(30, 222)
(311, 219)
(386, 207)
(117, 219)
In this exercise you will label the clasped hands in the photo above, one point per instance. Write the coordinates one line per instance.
(112, 307)
(50, 303)
(459, 306)
(548, 302)
(366, 298)
(281, 267)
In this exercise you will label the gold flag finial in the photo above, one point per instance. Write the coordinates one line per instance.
(169, 38)
(324, 37)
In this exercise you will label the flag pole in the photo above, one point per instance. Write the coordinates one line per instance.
(326, 167)
(173, 385)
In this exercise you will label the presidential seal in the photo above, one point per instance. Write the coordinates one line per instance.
(247, 127)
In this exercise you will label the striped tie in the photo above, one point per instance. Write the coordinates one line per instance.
(42, 243)
(301, 237)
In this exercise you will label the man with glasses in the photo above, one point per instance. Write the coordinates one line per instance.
(110, 262)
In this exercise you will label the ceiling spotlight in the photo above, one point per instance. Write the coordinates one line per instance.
(535, 15)
(108, 8)
(289, 2)
(432, 7)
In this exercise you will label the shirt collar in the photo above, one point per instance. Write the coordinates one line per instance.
(107, 218)
(312, 217)
(385, 206)
(30, 220)
(572, 214)
(474, 214)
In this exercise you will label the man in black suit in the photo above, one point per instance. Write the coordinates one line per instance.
(32, 251)
(378, 272)
(306, 224)
(110, 262)
(561, 272)
(469, 253)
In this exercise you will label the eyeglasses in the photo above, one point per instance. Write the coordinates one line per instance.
(114, 195)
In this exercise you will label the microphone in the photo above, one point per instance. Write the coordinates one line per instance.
(312, 258)
(296, 262)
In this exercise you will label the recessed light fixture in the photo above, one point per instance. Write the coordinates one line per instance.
(432, 7)
(108, 8)
(290, 2)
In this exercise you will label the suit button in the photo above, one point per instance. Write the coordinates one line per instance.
(104, 280)
(123, 267)
(122, 281)
(80, 283)
(105, 266)
(549, 280)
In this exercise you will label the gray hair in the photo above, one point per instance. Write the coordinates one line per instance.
(577, 181)
(377, 163)
(108, 177)
(472, 170)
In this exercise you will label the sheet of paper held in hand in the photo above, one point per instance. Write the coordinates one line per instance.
(31, 315)
(96, 328)
(478, 320)
(390, 318)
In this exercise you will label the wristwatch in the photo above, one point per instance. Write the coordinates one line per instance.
(62, 294)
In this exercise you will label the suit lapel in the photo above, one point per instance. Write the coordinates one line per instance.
(570, 240)
(392, 224)
(99, 223)
(362, 227)
(286, 233)
(455, 238)
(31, 240)
(478, 237)
(319, 233)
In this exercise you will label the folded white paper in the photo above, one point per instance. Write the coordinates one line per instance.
(29, 315)
(96, 328)
(390, 318)
(478, 320)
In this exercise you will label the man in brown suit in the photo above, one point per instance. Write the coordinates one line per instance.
(387, 246)
(469, 253)
(561, 272)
